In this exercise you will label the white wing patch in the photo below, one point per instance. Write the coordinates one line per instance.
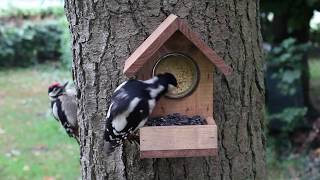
(120, 121)
(154, 92)
(152, 80)
(55, 110)
(152, 104)
(108, 113)
(133, 104)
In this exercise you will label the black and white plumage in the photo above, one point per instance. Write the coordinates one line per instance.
(132, 103)
(64, 108)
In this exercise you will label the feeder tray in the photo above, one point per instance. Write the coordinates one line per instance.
(183, 140)
(174, 48)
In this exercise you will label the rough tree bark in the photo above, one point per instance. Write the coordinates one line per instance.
(105, 33)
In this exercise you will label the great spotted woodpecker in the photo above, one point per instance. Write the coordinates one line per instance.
(64, 108)
(131, 104)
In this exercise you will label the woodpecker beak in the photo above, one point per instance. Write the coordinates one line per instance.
(65, 85)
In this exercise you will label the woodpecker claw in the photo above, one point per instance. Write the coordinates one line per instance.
(133, 138)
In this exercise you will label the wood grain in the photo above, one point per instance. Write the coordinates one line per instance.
(154, 42)
(206, 50)
(143, 53)
(178, 138)
(200, 101)
(210, 121)
(178, 153)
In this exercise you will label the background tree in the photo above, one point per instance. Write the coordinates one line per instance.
(104, 33)
(292, 109)
(290, 19)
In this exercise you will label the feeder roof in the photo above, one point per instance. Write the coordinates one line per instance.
(164, 31)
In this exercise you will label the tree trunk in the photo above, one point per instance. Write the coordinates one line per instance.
(105, 33)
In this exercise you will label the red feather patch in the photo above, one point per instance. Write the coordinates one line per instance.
(54, 84)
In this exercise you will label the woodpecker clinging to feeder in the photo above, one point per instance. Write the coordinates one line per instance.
(131, 104)
(64, 107)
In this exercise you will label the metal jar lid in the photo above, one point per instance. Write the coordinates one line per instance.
(184, 68)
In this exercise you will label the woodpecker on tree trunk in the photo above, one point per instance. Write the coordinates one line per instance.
(64, 108)
(131, 104)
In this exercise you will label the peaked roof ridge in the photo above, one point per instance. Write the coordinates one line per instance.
(163, 32)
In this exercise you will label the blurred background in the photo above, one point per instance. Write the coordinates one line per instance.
(35, 51)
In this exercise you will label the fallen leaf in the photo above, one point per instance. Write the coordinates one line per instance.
(26, 168)
(48, 178)
(2, 131)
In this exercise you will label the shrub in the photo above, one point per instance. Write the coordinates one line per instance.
(26, 13)
(15, 47)
(65, 44)
(30, 44)
(47, 40)
(286, 59)
(285, 62)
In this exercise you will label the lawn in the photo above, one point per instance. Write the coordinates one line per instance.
(32, 144)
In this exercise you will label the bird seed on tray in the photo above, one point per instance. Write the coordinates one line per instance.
(176, 119)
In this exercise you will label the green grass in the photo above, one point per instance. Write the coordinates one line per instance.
(32, 144)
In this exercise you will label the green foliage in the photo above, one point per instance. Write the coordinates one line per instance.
(25, 13)
(288, 167)
(16, 47)
(27, 45)
(34, 43)
(315, 34)
(43, 36)
(291, 117)
(47, 40)
(286, 123)
(65, 43)
(286, 59)
(314, 67)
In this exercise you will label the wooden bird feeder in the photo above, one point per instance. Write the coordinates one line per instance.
(173, 47)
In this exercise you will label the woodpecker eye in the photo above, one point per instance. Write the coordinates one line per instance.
(55, 90)
(50, 89)
(53, 87)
